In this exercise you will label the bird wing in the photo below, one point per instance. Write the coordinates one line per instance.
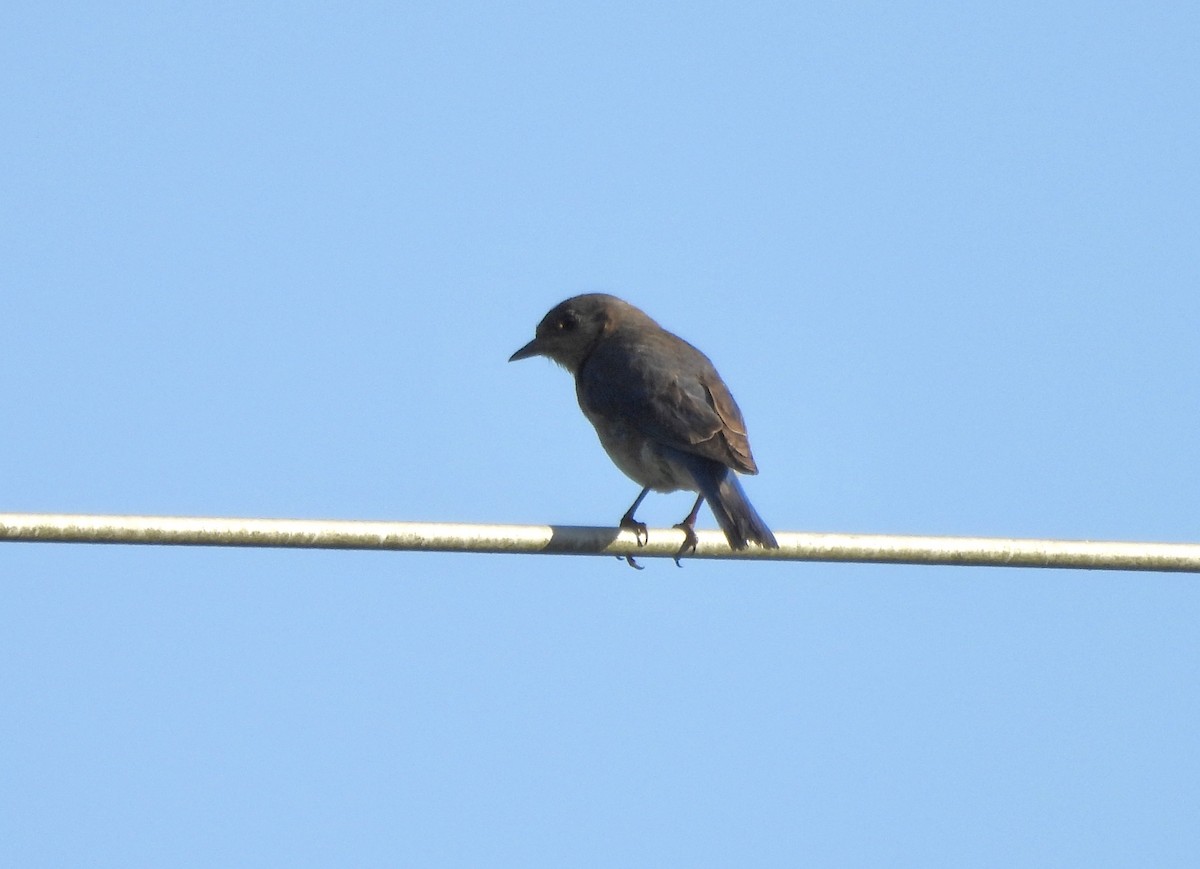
(669, 391)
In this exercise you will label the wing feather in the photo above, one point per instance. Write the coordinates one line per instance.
(667, 390)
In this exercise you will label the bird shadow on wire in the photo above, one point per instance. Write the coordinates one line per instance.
(597, 540)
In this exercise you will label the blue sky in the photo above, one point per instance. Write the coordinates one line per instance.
(270, 260)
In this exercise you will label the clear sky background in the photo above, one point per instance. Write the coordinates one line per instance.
(270, 259)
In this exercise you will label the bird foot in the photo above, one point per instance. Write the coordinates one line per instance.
(639, 533)
(638, 528)
(689, 542)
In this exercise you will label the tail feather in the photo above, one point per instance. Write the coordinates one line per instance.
(730, 506)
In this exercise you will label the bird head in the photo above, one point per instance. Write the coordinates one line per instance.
(572, 328)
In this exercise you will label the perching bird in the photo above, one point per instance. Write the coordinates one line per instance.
(661, 410)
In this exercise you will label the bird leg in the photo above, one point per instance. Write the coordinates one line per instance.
(638, 528)
(688, 527)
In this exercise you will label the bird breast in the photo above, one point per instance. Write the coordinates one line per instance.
(641, 459)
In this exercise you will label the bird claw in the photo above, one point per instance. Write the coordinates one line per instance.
(638, 528)
(640, 534)
(689, 542)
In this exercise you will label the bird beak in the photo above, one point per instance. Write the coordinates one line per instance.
(530, 349)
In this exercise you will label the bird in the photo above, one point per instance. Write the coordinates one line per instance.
(660, 409)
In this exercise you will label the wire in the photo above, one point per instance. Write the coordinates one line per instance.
(580, 540)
